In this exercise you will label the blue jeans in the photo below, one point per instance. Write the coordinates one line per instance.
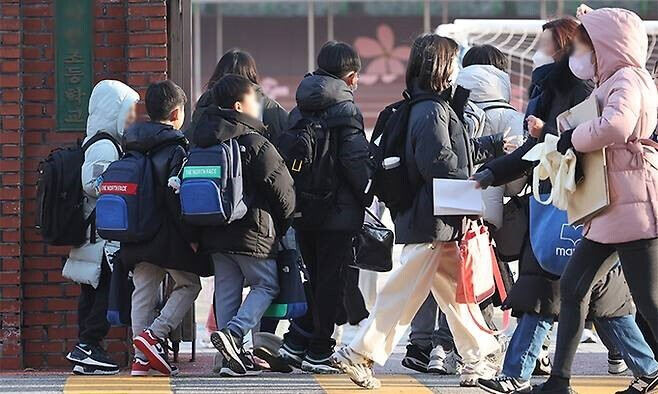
(525, 345)
(624, 334)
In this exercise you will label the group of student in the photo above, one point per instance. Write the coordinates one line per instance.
(602, 54)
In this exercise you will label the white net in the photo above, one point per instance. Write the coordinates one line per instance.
(517, 39)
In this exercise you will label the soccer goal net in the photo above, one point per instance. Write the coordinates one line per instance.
(518, 39)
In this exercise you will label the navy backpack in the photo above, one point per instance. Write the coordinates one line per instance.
(127, 209)
(211, 192)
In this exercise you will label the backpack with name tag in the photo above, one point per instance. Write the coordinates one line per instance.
(211, 192)
(60, 198)
(128, 207)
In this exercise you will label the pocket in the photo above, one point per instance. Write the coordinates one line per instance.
(112, 213)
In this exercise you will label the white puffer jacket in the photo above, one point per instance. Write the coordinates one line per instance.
(109, 106)
(491, 90)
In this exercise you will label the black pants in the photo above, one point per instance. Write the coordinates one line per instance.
(92, 309)
(646, 331)
(325, 254)
(639, 261)
(352, 309)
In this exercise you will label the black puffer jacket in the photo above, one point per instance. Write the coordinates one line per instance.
(554, 90)
(268, 187)
(275, 118)
(321, 95)
(170, 248)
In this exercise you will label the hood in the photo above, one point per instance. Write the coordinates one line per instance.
(619, 38)
(144, 136)
(485, 82)
(108, 107)
(217, 125)
(319, 91)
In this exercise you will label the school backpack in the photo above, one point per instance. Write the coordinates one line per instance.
(310, 151)
(211, 192)
(60, 198)
(129, 203)
(391, 182)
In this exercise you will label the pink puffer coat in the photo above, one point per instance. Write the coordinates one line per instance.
(628, 100)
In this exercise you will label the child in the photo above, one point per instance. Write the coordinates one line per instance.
(111, 109)
(244, 251)
(169, 252)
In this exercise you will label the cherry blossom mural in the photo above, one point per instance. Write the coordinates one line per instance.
(386, 62)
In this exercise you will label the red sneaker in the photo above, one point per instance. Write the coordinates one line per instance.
(140, 367)
(150, 345)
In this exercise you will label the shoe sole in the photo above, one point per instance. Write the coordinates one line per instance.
(225, 346)
(229, 373)
(319, 369)
(413, 364)
(157, 362)
(139, 373)
(617, 369)
(344, 364)
(493, 391)
(437, 371)
(79, 370)
(90, 362)
(292, 359)
(277, 364)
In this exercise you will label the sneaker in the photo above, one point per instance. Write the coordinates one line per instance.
(539, 389)
(644, 384)
(226, 370)
(227, 344)
(142, 367)
(543, 364)
(357, 367)
(292, 355)
(275, 362)
(92, 370)
(437, 359)
(250, 364)
(589, 336)
(474, 371)
(416, 358)
(453, 363)
(91, 356)
(319, 364)
(152, 348)
(616, 365)
(504, 385)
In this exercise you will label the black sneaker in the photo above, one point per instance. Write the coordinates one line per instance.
(227, 344)
(91, 370)
(539, 389)
(275, 361)
(292, 355)
(416, 358)
(319, 364)
(92, 356)
(543, 365)
(504, 385)
(226, 370)
(644, 384)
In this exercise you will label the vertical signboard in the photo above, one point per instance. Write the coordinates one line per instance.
(73, 62)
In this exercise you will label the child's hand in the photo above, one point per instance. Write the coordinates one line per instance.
(535, 126)
(174, 183)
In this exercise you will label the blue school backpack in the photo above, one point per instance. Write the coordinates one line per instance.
(552, 238)
(211, 192)
(127, 209)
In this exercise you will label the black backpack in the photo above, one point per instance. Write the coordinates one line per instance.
(310, 151)
(60, 198)
(391, 183)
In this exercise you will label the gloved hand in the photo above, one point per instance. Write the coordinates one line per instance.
(564, 143)
(484, 178)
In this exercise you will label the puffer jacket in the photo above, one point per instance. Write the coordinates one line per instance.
(109, 104)
(268, 186)
(321, 95)
(628, 100)
(491, 89)
(170, 248)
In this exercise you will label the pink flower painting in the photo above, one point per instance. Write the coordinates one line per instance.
(386, 61)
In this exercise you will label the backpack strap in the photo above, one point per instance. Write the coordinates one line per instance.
(102, 135)
(495, 104)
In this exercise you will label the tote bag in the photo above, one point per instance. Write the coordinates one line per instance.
(373, 246)
(291, 302)
(552, 238)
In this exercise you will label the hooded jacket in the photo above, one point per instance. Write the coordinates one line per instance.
(170, 248)
(268, 186)
(627, 98)
(322, 95)
(490, 89)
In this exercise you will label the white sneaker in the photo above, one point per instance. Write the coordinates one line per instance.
(616, 366)
(357, 367)
(453, 363)
(589, 336)
(478, 370)
(437, 360)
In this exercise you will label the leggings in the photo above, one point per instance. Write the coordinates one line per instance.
(639, 261)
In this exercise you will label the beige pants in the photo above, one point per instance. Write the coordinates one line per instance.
(424, 268)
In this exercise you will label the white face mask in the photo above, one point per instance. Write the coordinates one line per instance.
(540, 58)
(582, 66)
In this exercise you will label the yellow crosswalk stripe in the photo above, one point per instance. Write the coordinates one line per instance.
(600, 385)
(117, 384)
(390, 384)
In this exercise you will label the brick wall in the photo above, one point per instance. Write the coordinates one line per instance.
(38, 320)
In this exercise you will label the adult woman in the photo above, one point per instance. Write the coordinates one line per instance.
(536, 294)
(240, 62)
(611, 48)
(435, 148)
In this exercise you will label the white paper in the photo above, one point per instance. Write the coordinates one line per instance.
(456, 197)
